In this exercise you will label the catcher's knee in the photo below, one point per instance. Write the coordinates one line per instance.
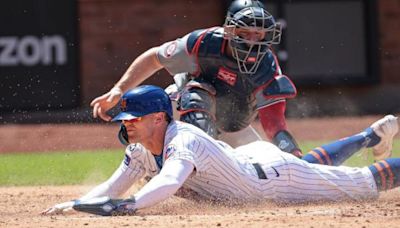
(196, 98)
(201, 120)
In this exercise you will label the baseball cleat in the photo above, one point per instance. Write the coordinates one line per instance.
(386, 128)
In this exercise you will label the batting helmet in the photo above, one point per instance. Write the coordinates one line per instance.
(252, 16)
(144, 100)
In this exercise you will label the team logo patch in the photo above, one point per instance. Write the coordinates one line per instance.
(127, 160)
(227, 76)
(170, 50)
(171, 148)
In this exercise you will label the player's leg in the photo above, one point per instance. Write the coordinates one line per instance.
(379, 136)
(314, 182)
(196, 105)
(386, 173)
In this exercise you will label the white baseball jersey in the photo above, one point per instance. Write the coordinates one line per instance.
(255, 171)
(260, 170)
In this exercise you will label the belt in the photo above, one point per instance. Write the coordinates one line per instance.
(260, 171)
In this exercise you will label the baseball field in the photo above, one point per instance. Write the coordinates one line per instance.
(41, 165)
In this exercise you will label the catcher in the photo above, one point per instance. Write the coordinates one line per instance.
(224, 76)
(175, 154)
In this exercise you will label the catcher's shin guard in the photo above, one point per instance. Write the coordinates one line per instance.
(197, 106)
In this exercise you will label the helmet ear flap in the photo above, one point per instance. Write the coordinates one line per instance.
(123, 135)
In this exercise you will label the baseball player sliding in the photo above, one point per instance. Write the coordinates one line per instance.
(176, 154)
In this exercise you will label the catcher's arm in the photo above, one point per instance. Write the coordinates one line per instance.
(143, 67)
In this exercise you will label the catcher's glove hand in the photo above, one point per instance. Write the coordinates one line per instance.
(107, 207)
(105, 102)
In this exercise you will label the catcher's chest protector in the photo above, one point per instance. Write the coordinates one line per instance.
(235, 100)
(222, 71)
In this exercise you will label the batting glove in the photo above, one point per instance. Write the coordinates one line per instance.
(107, 207)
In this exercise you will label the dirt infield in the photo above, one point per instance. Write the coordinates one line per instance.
(20, 206)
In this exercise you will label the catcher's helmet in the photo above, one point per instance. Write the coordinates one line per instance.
(238, 5)
(252, 16)
(144, 100)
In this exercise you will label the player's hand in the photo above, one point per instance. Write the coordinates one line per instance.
(105, 102)
(59, 208)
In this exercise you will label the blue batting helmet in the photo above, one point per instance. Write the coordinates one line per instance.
(144, 100)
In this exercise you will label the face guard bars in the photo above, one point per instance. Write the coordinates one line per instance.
(249, 53)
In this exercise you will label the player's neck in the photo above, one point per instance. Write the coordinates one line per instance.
(228, 49)
(155, 144)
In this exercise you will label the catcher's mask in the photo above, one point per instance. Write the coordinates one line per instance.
(251, 16)
(141, 101)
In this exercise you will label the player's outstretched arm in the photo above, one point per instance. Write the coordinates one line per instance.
(172, 176)
(121, 180)
(99, 206)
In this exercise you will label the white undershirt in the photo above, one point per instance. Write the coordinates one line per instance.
(165, 184)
